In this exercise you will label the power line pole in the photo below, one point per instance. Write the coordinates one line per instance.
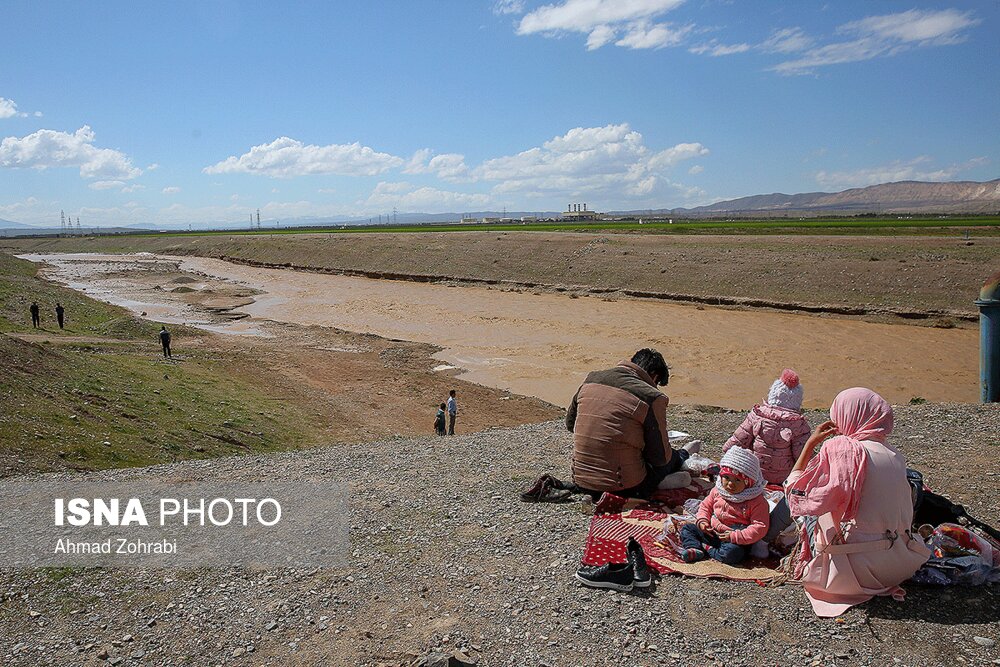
(393, 215)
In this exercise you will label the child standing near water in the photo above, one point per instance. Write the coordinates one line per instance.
(775, 431)
(439, 418)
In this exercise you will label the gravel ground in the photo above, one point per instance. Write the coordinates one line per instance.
(446, 559)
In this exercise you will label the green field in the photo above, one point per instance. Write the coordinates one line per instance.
(834, 226)
(99, 394)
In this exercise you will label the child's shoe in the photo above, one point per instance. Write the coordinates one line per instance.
(692, 555)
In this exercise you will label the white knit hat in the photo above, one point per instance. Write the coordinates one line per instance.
(743, 461)
(786, 392)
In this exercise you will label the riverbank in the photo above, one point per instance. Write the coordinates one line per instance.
(98, 394)
(920, 279)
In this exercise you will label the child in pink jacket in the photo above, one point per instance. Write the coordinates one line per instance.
(733, 516)
(775, 431)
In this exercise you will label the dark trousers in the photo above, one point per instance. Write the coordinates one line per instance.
(60, 319)
(166, 350)
(693, 537)
(35, 321)
(654, 476)
(451, 424)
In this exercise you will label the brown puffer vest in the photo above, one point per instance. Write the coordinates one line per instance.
(618, 419)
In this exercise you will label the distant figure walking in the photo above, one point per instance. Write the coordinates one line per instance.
(36, 321)
(439, 421)
(60, 313)
(452, 412)
(165, 341)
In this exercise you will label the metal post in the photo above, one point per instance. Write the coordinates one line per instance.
(989, 340)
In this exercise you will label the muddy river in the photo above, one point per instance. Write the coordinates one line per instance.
(544, 344)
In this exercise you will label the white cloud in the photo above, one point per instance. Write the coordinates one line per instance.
(886, 35)
(604, 20)
(106, 185)
(153, 167)
(501, 7)
(121, 186)
(653, 36)
(171, 190)
(8, 108)
(713, 48)
(695, 170)
(50, 148)
(917, 169)
(787, 40)
(286, 158)
(447, 166)
(405, 197)
(599, 162)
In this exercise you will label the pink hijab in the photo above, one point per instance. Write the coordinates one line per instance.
(835, 477)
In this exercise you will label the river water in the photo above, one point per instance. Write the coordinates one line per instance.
(544, 344)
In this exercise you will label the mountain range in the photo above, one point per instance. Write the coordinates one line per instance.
(900, 197)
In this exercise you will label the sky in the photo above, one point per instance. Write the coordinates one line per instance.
(198, 113)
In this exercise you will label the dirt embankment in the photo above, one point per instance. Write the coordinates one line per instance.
(920, 279)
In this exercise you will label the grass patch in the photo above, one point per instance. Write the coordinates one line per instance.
(830, 225)
(111, 401)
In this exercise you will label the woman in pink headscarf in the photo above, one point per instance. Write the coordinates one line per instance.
(858, 491)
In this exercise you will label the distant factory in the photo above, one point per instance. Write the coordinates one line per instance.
(579, 212)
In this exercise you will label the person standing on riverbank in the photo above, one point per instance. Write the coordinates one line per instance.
(165, 341)
(60, 313)
(452, 412)
(36, 321)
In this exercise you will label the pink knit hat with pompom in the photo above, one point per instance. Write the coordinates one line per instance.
(786, 392)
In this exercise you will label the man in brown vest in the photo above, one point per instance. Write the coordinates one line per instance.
(619, 422)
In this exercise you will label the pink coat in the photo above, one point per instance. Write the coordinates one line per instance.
(724, 515)
(857, 489)
(776, 436)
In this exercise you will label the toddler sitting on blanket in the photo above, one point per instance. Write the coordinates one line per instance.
(776, 431)
(734, 515)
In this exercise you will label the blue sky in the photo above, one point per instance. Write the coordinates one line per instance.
(200, 112)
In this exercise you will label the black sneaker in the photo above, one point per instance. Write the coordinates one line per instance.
(616, 576)
(642, 577)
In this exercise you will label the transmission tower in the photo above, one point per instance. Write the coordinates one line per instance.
(258, 218)
(62, 223)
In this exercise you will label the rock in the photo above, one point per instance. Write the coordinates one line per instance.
(984, 641)
(433, 660)
(103, 654)
(239, 652)
(271, 626)
(34, 614)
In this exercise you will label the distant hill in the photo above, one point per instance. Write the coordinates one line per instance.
(10, 224)
(901, 197)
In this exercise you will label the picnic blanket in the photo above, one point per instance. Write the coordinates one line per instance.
(616, 519)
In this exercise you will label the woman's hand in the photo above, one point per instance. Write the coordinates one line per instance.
(821, 433)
